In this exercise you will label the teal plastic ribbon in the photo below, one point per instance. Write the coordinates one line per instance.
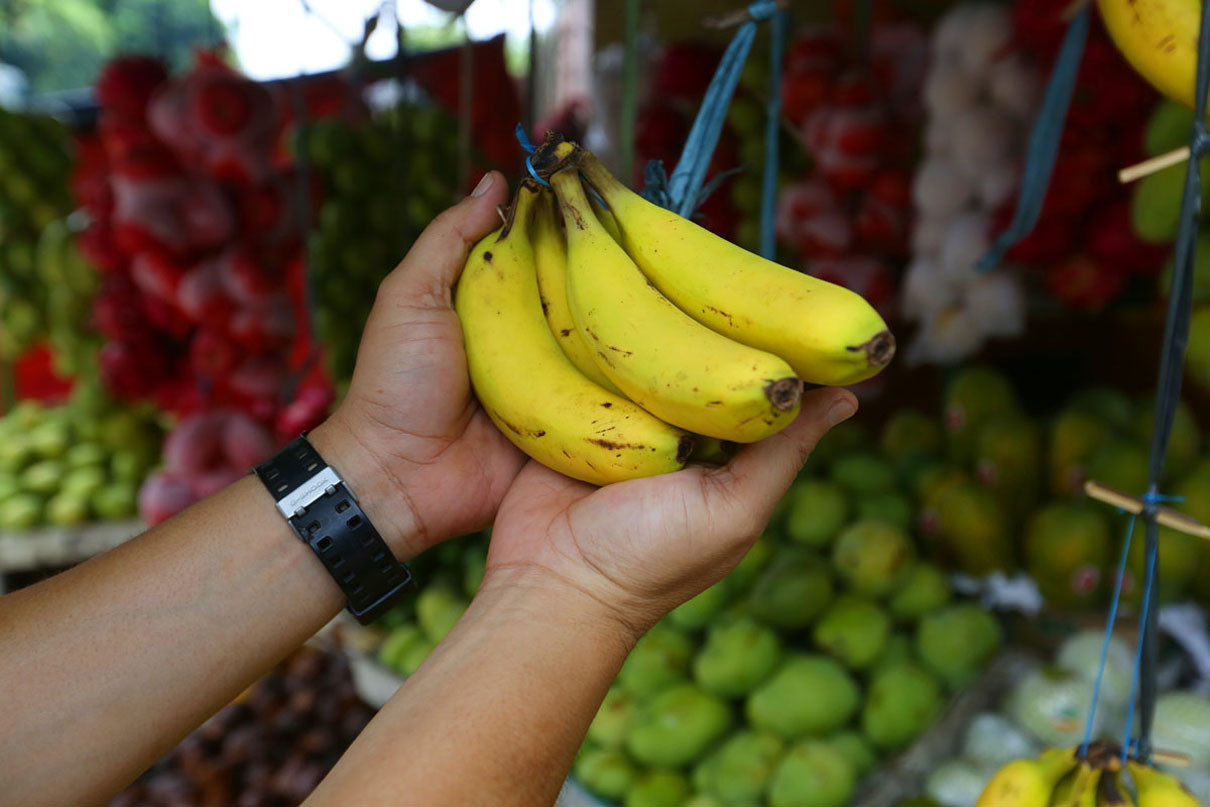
(768, 191)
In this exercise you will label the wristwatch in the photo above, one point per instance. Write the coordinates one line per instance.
(326, 515)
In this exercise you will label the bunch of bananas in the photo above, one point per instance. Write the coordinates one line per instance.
(1159, 39)
(1063, 778)
(603, 336)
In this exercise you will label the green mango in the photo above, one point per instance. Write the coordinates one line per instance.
(127, 466)
(745, 574)
(700, 800)
(84, 481)
(863, 472)
(115, 501)
(739, 769)
(1067, 545)
(854, 630)
(676, 726)
(793, 590)
(9, 486)
(1008, 454)
(474, 567)
(43, 477)
(398, 644)
(1110, 405)
(438, 609)
(411, 659)
(697, 612)
(1167, 128)
(925, 588)
(890, 508)
(900, 647)
(86, 455)
(737, 656)
(970, 525)
(1074, 437)
(1201, 272)
(908, 435)
(974, 395)
(902, 702)
(21, 512)
(812, 774)
(841, 440)
(1185, 442)
(67, 509)
(818, 509)
(613, 719)
(658, 789)
(872, 557)
(956, 641)
(606, 773)
(1121, 464)
(658, 659)
(808, 694)
(15, 453)
(856, 749)
(50, 440)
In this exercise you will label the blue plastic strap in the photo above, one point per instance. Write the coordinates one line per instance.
(768, 195)
(1144, 619)
(686, 180)
(1044, 139)
(530, 148)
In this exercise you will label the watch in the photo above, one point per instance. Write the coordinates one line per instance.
(325, 514)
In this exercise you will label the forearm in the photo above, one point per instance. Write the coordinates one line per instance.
(108, 665)
(496, 713)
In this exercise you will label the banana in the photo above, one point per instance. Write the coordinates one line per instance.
(550, 260)
(1158, 789)
(605, 216)
(1078, 789)
(530, 389)
(663, 360)
(1112, 793)
(1028, 782)
(828, 334)
(1159, 39)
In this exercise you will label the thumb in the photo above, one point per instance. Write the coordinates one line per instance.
(433, 264)
(761, 472)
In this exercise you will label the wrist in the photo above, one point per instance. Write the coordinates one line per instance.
(537, 593)
(377, 492)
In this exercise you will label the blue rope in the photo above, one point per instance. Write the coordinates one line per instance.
(530, 148)
(1044, 139)
(686, 180)
(1152, 555)
(768, 199)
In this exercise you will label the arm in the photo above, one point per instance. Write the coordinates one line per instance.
(575, 576)
(105, 667)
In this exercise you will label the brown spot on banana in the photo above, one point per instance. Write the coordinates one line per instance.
(879, 350)
(784, 393)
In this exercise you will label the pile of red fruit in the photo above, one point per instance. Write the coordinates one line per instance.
(848, 218)
(194, 226)
(1084, 238)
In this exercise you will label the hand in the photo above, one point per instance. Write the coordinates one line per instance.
(640, 548)
(409, 437)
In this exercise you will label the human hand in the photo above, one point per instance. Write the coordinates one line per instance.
(409, 436)
(640, 548)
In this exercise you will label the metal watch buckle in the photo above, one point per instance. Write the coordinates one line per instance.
(298, 500)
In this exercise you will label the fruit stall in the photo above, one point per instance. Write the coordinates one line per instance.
(980, 216)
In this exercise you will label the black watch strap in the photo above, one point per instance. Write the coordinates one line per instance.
(326, 515)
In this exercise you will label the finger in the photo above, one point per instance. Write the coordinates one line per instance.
(761, 472)
(432, 265)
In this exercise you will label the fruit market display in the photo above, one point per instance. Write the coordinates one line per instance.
(70, 283)
(847, 217)
(76, 463)
(35, 159)
(700, 361)
(271, 747)
(384, 180)
(1047, 709)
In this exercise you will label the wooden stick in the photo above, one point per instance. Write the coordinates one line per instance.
(1159, 163)
(739, 17)
(1073, 8)
(1175, 758)
(1164, 515)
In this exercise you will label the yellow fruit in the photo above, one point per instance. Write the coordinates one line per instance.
(660, 358)
(1158, 789)
(828, 334)
(529, 388)
(1159, 39)
(1028, 782)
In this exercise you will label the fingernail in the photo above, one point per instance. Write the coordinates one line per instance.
(484, 185)
(841, 411)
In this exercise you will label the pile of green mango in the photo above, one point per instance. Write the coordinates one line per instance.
(1001, 489)
(384, 179)
(76, 463)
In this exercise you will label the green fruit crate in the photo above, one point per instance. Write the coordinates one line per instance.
(50, 547)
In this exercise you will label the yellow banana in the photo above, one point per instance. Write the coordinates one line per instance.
(1078, 789)
(662, 359)
(1112, 793)
(1159, 789)
(827, 333)
(1028, 782)
(550, 260)
(529, 388)
(605, 216)
(1159, 39)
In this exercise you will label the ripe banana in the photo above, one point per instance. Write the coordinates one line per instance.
(1028, 782)
(662, 359)
(1112, 793)
(828, 334)
(550, 260)
(1078, 789)
(529, 388)
(1159, 39)
(1158, 789)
